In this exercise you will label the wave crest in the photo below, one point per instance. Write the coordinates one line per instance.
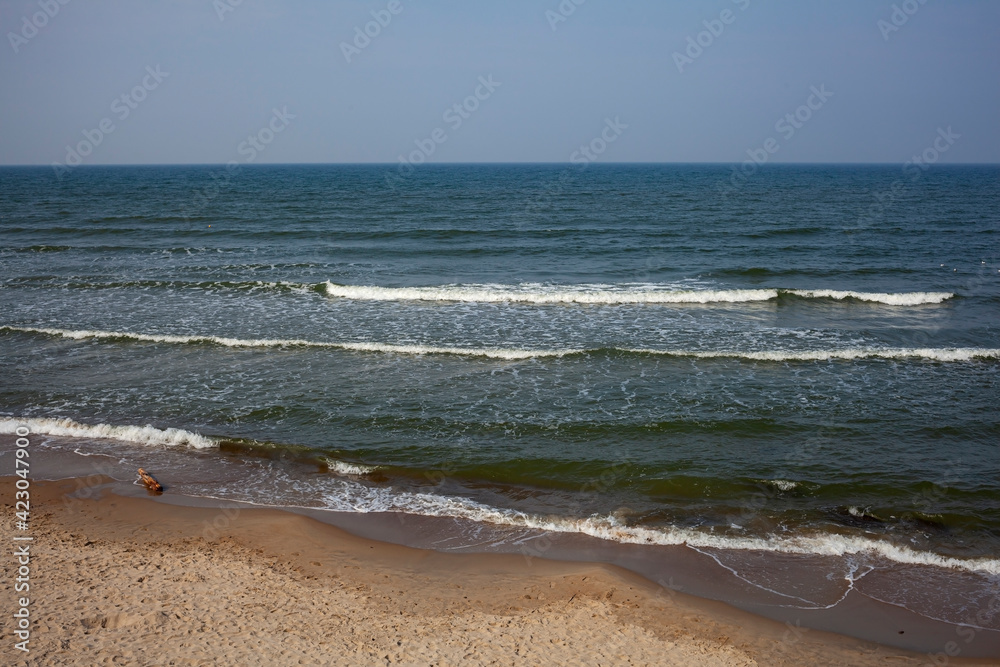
(847, 354)
(541, 294)
(144, 435)
(516, 354)
(491, 353)
(612, 294)
(344, 468)
(357, 498)
(370, 500)
(891, 299)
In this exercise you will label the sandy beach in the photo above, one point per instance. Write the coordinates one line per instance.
(549, 333)
(118, 580)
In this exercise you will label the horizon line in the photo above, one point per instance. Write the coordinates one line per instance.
(497, 163)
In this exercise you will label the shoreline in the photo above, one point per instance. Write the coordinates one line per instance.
(119, 575)
(902, 606)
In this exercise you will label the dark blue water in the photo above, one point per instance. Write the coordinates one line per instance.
(807, 363)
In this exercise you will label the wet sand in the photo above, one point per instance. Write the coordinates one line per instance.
(125, 580)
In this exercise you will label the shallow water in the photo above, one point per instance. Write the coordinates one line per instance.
(620, 351)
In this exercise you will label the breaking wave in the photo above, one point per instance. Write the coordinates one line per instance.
(492, 353)
(530, 293)
(540, 294)
(358, 498)
(352, 496)
(144, 435)
(846, 354)
(513, 354)
(892, 299)
(345, 468)
(612, 294)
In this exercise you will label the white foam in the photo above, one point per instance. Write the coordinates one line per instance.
(345, 468)
(892, 299)
(544, 294)
(611, 294)
(364, 500)
(935, 354)
(492, 353)
(353, 497)
(144, 435)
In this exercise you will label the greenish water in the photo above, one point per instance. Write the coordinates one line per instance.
(622, 351)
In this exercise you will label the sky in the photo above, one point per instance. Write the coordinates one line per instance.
(351, 81)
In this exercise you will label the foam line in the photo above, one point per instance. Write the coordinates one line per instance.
(492, 353)
(611, 294)
(540, 294)
(144, 435)
(846, 354)
(892, 299)
(356, 498)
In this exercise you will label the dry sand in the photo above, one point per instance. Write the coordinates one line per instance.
(120, 580)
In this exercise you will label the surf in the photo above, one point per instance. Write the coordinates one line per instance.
(144, 435)
(601, 294)
(517, 354)
(344, 492)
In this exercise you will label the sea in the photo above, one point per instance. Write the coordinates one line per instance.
(790, 373)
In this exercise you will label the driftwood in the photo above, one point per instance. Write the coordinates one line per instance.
(150, 481)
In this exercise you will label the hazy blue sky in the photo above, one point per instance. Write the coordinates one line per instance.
(559, 81)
